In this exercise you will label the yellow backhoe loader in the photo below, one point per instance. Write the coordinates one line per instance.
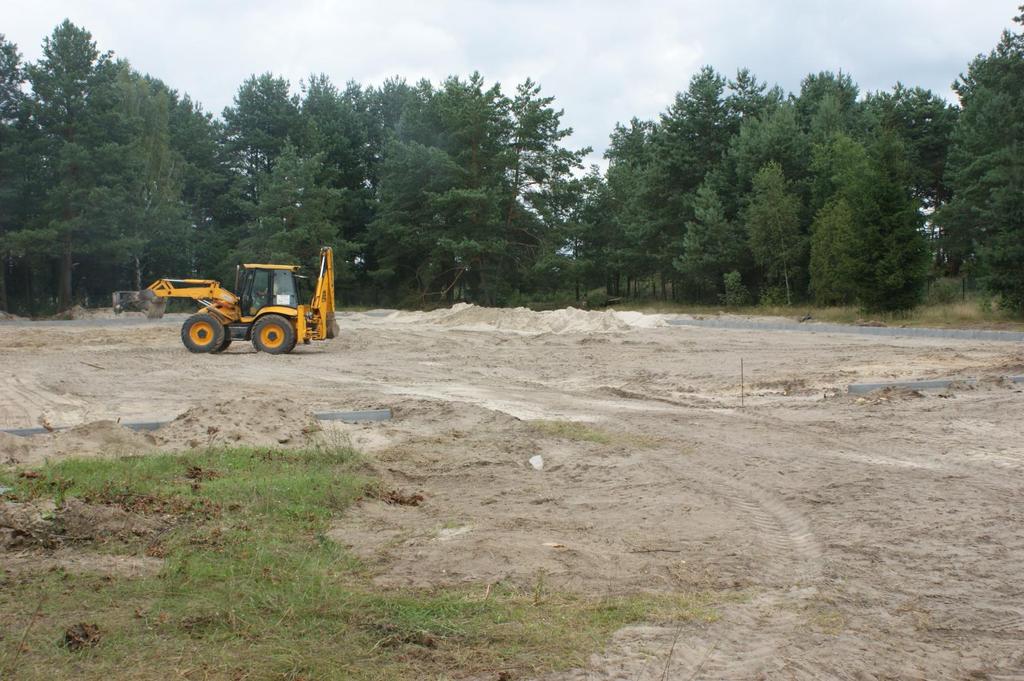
(265, 309)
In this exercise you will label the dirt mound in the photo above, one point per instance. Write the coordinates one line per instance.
(81, 521)
(27, 524)
(43, 524)
(79, 312)
(258, 422)
(13, 449)
(8, 317)
(523, 320)
(1012, 366)
(420, 413)
(98, 438)
(890, 394)
(261, 422)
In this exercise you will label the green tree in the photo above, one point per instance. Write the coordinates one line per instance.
(693, 134)
(689, 142)
(209, 191)
(836, 92)
(772, 218)
(630, 202)
(574, 252)
(713, 245)
(153, 236)
(294, 215)
(891, 243)
(833, 264)
(776, 138)
(750, 99)
(406, 228)
(536, 159)
(470, 122)
(13, 155)
(85, 138)
(259, 124)
(870, 229)
(986, 168)
(477, 181)
(924, 122)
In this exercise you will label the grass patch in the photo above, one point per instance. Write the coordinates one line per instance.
(253, 589)
(583, 432)
(573, 430)
(825, 617)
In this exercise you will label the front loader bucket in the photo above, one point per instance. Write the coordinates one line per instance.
(140, 301)
(155, 309)
(152, 304)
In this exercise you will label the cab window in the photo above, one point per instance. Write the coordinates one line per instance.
(261, 293)
(284, 288)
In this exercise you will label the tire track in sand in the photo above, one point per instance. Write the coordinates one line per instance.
(745, 643)
(748, 638)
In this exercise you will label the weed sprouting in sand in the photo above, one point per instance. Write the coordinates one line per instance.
(578, 431)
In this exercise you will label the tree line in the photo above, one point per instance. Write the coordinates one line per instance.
(434, 192)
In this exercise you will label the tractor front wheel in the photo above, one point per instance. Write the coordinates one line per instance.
(202, 333)
(273, 334)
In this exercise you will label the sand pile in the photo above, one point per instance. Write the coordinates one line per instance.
(79, 312)
(8, 317)
(257, 421)
(97, 438)
(641, 320)
(523, 320)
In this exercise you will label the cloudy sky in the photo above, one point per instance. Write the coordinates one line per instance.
(604, 61)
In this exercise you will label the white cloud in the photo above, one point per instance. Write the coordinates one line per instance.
(605, 61)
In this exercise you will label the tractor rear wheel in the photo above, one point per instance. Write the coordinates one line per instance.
(274, 334)
(225, 344)
(203, 333)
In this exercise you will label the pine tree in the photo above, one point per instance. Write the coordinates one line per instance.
(713, 245)
(13, 156)
(838, 92)
(632, 204)
(776, 138)
(750, 99)
(833, 264)
(85, 136)
(890, 240)
(259, 124)
(986, 168)
(294, 216)
(868, 240)
(772, 218)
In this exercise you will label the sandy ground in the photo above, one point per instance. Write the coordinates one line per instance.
(851, 538)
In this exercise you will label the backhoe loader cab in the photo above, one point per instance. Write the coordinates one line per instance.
(264, 309)
(260, 286)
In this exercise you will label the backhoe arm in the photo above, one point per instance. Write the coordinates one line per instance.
(207, 292)
(322, 305)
